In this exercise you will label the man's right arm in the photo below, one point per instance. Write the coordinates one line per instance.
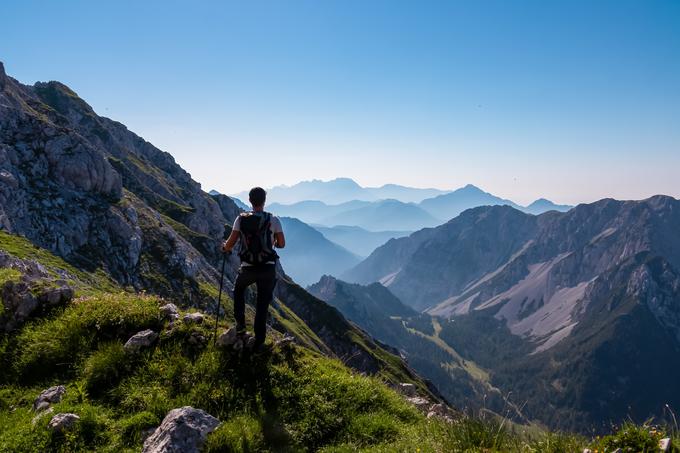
(234, 236)
(231, 241)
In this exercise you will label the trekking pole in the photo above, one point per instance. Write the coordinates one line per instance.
(219, 297)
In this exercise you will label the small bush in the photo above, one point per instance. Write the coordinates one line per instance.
(632, 437)
(104, 368)
(242, 434)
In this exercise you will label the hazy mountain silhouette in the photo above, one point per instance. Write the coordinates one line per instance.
(341, 190)
(449, 205)
(308, 254)
(357, 240)
(312, 211)
(542, 205)
(384, 215)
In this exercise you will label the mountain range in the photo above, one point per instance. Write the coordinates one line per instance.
(576, 313)
(342, 190)
(398, 214)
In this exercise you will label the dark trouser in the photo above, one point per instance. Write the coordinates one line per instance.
(264, 276)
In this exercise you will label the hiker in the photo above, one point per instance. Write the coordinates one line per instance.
(259, 232)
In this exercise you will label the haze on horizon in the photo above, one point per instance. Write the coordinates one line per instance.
(570, 100)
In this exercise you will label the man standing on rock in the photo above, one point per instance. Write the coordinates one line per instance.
(258, 232)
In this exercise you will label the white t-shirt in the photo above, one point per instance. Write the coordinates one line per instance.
(274, 227)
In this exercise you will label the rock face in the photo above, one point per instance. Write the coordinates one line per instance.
(140, 340)
(63, 422)
(34, 290)
(48, 397)
(183, 430)
(86, 188)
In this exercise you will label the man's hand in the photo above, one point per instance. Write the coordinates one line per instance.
(228, 245)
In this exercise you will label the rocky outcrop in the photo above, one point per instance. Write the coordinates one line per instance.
(49, 396)
(86, 188)
(183, 430)
(34, 291)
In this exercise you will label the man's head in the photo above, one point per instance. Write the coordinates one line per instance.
(257, 197)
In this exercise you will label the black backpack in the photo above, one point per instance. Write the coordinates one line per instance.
(256, 239)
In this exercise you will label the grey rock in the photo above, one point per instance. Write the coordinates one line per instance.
(407, 389)
(227, 338)
(49, 396)
(169, 311)
(63, 422)
(56, 296)
(183, 430)
(194, 318)
(140, 340)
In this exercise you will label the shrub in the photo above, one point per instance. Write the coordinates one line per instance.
(242, 434)
(131, 427)
(105, 367)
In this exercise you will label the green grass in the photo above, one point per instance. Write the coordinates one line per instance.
(293, 399)
(54, 345)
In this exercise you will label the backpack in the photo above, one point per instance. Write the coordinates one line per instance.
(256, 239)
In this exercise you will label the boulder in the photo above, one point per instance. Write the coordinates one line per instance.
(49, 396)
(63, 422)
(407, 389)
(183, 430)
(194, 318)
(140, 340)
(170, 311)
(227, 338)
(56, 296)
(665, 444)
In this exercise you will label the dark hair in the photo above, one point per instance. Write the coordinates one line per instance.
(257, 196)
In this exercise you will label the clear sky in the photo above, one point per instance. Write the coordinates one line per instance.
(571, 100)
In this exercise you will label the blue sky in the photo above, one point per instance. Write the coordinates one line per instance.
(571, 100)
